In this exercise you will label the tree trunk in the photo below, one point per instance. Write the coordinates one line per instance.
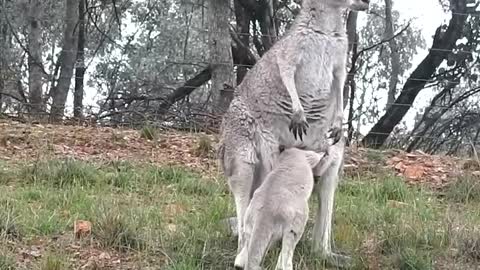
(394, 55)
(185, 90)
(428, 119)
(3, 61)
(68, 60)
(443, 43)
(221, 61)
(350, 86)
(80, 68)
(267, 23)
(35, 59)
(1, 91)
(352, 44)
(243, 28)
(200, 79)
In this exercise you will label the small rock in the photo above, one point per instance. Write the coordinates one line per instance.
(172, 227)
(104, 256)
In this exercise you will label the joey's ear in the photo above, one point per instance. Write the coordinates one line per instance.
(281, 148)
(313, 158)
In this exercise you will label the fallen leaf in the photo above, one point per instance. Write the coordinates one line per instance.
(395, 159)
(82, 228)
(104, 256)
(414, 172)
(400, 166)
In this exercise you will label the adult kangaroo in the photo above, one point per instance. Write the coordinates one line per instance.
(293, 96)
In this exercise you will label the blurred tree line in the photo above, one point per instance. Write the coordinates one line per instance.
(177, 62)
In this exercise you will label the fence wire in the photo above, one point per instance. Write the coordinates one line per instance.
(204, 64)
(200, 125)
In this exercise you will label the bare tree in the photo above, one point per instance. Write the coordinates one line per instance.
(350, 88)
(443, 42)
(67, 57)
(267, 24)
(80, 65)
(243, 18)
(221, 61)
(3, 64)
(35, 69)
(394, 55)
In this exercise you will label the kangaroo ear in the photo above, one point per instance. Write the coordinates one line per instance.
(313, 158)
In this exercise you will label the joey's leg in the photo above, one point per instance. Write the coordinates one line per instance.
(289, 242)
(279, 265)
(325, 189)
(290, 238)
(240, 184)
(258, 246)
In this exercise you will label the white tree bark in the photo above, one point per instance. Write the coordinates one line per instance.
(221, 60)
(394, 55)
(35, 58)
(68, 60)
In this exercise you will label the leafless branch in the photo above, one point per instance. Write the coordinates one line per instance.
(383, 41)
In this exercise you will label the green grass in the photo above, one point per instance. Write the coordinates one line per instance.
(204, 147)
(465, 190)
(54, 262)
(9, 229)
(114, 228)
(6, 262)
(149, 132)
(170, 217)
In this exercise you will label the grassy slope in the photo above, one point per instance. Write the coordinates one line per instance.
(162, 217)
(169, 218)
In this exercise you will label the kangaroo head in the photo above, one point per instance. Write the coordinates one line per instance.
(358, 5)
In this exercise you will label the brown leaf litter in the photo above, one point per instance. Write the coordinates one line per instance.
(435, 171)
(24, 142)
(27, 142)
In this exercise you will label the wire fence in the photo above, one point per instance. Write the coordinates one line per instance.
(277, 37)
(204, 64)
(174, 120)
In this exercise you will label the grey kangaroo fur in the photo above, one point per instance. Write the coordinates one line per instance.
(293, 96)
(279, 210)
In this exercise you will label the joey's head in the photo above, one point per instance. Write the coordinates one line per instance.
(294, 154)
(313, 158)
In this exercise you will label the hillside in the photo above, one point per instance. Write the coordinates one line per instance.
(103, 198)
(24, 142)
